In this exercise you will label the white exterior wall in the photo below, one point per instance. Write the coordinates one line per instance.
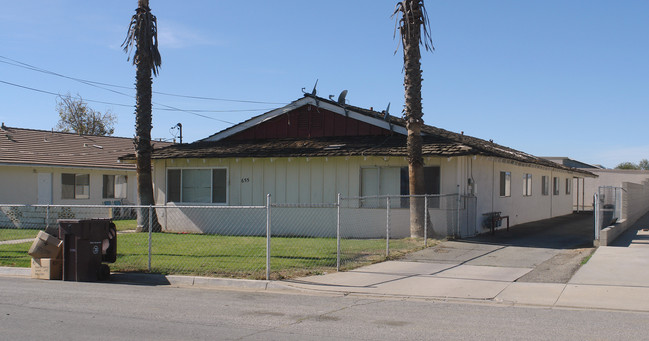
(318, 180)
(20, 185)
(292, 180)
(485, 171)
(289, 180)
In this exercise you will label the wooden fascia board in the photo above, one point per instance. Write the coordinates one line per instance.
(363, 118)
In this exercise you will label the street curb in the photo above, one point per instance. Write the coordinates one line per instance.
(217, 282)
(15, 272)
(173, 280)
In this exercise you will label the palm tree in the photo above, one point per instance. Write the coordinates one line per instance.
(143, 33)
(414, 31)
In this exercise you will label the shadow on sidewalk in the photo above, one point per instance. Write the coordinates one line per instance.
(631, 235)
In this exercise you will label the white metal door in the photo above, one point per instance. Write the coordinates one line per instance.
(44, 188)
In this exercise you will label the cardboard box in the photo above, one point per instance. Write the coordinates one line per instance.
(47, 268)
(45, 246)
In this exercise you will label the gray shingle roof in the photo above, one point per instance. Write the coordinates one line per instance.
(393, 145)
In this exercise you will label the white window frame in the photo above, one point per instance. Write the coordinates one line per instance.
(124, 191)
(181, 202)
(377, 203)
(545, 185)
(505, 189)
(402, 202)
(556, 185)
(527, 185)
(81, 191)
(568, 186)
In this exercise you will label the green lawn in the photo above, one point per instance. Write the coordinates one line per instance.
(234, 256)
(15, 255)
(125, 225)
(13, 234)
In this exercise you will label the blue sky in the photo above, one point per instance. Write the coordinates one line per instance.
(551, 78)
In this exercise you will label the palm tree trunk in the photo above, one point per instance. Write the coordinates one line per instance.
(143, 120)
(411, 35)
(143, 125)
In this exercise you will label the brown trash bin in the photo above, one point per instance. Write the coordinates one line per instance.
(86, 244)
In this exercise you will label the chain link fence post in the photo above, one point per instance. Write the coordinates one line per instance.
(459, 204)
(338, 232)
(426, 221)
(596, 211)
(268, 237)
(387, 228)
(47, 218)
(150, 233)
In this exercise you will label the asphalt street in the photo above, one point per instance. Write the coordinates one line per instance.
(56, 310)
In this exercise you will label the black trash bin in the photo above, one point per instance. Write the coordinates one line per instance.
(86, 245)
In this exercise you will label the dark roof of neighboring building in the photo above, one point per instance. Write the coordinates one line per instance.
(566, 161)
(32, 147)
(437, 142)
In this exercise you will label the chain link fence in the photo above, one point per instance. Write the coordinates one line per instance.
(273, 241)
(607, 207)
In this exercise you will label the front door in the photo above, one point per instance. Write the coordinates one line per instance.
(44, 188)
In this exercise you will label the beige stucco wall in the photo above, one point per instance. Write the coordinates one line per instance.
(610, 177)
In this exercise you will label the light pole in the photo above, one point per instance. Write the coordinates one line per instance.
(180, 128)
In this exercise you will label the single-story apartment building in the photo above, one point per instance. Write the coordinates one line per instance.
(312, 149)
(54, 168)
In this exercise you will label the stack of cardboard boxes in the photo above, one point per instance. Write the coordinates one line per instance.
(46, 257)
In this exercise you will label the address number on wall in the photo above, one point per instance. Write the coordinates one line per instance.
(244, 180)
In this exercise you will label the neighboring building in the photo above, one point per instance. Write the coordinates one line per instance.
(582, 198)
(587, 187)
(313, 148)
(47, 167)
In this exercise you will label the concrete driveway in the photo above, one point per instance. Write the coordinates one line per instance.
(551, 250)
(545, 253)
